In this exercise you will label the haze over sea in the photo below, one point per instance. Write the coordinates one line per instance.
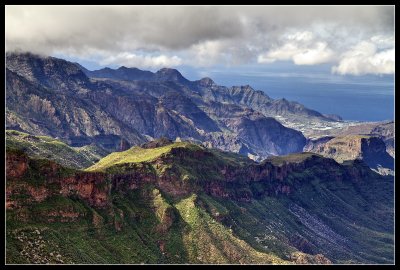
(354, 98)
(359, 98)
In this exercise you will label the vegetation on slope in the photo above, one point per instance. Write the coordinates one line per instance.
(52, 149)
(291, 158)
(326, 217)
(135, 155)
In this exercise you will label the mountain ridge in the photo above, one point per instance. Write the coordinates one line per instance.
(170, 106)
(225, 209)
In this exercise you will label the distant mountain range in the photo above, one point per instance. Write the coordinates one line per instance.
(54, 97)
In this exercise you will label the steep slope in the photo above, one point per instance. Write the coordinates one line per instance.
(206, 87)
(73, 117)
(257, 100)
(53, 97)
(371, 150)
(182, 203)
(383, 130)
(55, 150)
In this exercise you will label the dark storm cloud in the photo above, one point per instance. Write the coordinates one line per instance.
(162, 35)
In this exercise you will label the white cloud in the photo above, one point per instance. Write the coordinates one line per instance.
(300, 47)
(142, 61)
(301, 36)
(318, 54)
(382, 41)
(364, 58)
(206, 53)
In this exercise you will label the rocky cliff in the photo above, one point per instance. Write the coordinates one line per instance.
(50, 96)
(183, 203)
(371, 150)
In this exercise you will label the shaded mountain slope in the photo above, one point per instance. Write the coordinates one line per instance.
(54, 97)
(55, 150)
(383, 130)
(371, 150)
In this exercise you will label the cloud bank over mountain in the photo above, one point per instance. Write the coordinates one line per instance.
(355, 40)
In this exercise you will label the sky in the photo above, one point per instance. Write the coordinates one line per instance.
(329, 43)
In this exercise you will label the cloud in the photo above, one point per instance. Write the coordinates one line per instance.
(115, 27)
(145, 61)
(319, 54)
(198, 35)
(364, 58)
(300, 47)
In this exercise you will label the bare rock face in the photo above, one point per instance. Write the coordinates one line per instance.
(211, 175)
(91, 187)
(124, 145)
(119, 108)
(386, 133)
(302, 258)
(16, 164)
(372, 150)
(156, 143)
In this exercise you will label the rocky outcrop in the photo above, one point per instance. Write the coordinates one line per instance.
(156, 143)
(16, 164)
(91, 187)
(177, 173)
(277, 202)
(371, 150)
(385, 131)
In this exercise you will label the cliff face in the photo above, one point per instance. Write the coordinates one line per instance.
(182, 204)
(175, 174)
(383, 130)
(53, 97)
(386, 132)
(371, 150)
(52, 179)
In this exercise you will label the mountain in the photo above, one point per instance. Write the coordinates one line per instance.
(383, 130)
(55, 150)
(206, 87)
(371, 150)
(122, 73)
(66, 114)
(52, 97)
(179, 202)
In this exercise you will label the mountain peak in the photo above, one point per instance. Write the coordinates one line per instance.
(50, 71)
(170, 74)
(206, 82)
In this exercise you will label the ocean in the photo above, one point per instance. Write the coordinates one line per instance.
(359, 98)
(354, 98)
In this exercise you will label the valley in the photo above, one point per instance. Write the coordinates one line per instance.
(126, 166)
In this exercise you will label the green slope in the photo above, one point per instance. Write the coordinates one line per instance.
(162, 210)
(52, 149)
(135, 155)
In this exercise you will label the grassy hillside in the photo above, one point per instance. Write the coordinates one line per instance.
(292, 158)
(155, 216)
(134, 155)
(52, 149)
